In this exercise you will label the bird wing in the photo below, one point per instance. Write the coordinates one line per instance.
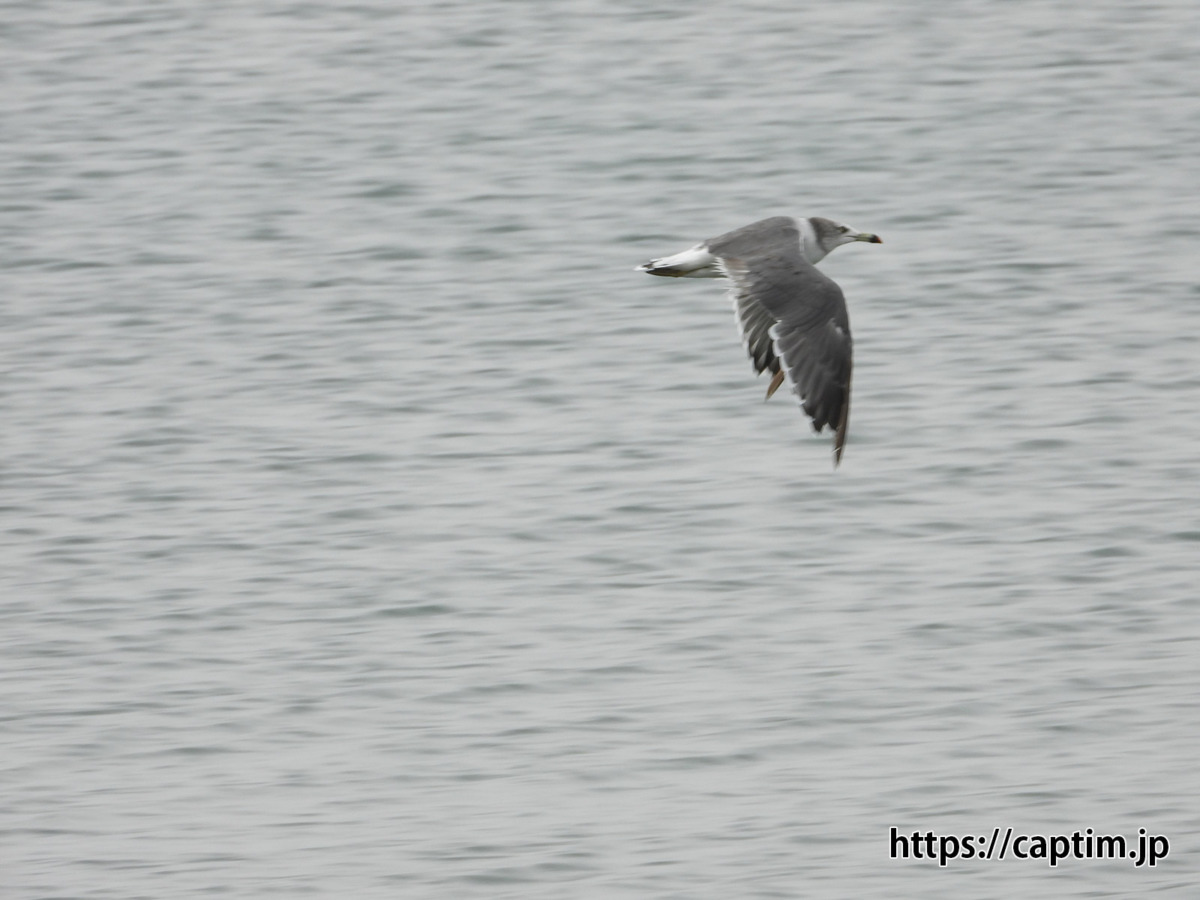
(777, 234)
(754, 326)
(810, 332)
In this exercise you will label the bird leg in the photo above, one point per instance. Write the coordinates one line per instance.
(775, 383)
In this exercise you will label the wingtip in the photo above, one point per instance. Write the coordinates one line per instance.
(839, 434)
(843, 426)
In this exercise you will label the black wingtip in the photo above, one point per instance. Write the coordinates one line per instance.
(843, 425)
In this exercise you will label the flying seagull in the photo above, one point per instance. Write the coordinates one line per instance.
(792, 318)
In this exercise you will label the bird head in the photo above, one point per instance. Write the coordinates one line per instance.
(831, 234)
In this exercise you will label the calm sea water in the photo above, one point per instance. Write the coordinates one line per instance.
(371, 529)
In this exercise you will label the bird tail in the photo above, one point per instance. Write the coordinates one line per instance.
(695, 262)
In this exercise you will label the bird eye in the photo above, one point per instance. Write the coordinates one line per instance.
(843, 229)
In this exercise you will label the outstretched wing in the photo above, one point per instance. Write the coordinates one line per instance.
(817, 362)
(754, 325)
(778, 234)
(809, 331)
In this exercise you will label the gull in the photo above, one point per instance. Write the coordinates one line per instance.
(792, 318)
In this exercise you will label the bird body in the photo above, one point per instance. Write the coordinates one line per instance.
(791, 316)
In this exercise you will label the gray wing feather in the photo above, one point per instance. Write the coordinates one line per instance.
(777, 234)
(754, 325)
(810, 332)
(764, 237)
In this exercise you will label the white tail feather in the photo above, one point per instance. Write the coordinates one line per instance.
(695, 262)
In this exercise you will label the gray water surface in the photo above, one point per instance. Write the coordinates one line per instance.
(372, 529)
